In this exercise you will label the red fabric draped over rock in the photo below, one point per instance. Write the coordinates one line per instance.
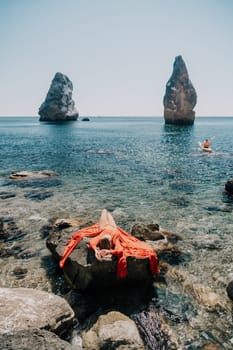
(123, 244)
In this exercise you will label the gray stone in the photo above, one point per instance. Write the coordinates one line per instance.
(35, 339)
(82, 270)
(26, 308)
(113, 331)
(180, 96)
(58, 104)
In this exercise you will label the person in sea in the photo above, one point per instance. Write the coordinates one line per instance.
(206, 144)
(110, 240)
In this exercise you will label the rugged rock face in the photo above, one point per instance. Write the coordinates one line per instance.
(59, 105)
(180, 96)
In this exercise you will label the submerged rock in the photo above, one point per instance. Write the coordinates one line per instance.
(180, 96)
(9, 231)
(38, 195)
(205, 296)
(229, 187)
(6, 195)
(43, 178)
(59, 105)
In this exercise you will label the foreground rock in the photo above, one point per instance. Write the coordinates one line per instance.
(180, 96)
(25, 308)
(35, 339)
(59, 105)
(113, 331)
(82, 270)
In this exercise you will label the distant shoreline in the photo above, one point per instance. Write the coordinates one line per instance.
(116, 116)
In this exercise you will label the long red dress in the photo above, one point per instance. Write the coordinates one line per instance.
(123, 244)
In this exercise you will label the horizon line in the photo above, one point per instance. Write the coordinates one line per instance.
(116, 116)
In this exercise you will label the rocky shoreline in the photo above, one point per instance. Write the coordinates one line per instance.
(92, 319)
(134, 317)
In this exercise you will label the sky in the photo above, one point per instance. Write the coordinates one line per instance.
(119, 54)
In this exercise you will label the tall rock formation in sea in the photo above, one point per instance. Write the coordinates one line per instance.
(58, 104)
(180, 96)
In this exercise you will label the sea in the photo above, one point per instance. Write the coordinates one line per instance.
(142, 171)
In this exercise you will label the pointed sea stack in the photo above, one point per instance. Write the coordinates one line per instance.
(59, 105)
(180, 96)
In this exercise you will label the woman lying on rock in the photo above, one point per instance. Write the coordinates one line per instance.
(109, 239)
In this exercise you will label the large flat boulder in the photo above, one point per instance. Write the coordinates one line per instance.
(82, 270)
(26, 308)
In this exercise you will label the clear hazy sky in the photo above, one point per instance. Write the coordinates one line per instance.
(119, 54)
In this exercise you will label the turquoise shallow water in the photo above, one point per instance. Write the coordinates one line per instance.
(140, 170)
(136, 164)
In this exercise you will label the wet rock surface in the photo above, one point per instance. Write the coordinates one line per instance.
(9, 230)
(43, 178)
(229, 187)
(6, 195)
(38, 195)
(11, 244)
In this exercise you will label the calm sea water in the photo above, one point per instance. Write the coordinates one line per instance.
(142, 171)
